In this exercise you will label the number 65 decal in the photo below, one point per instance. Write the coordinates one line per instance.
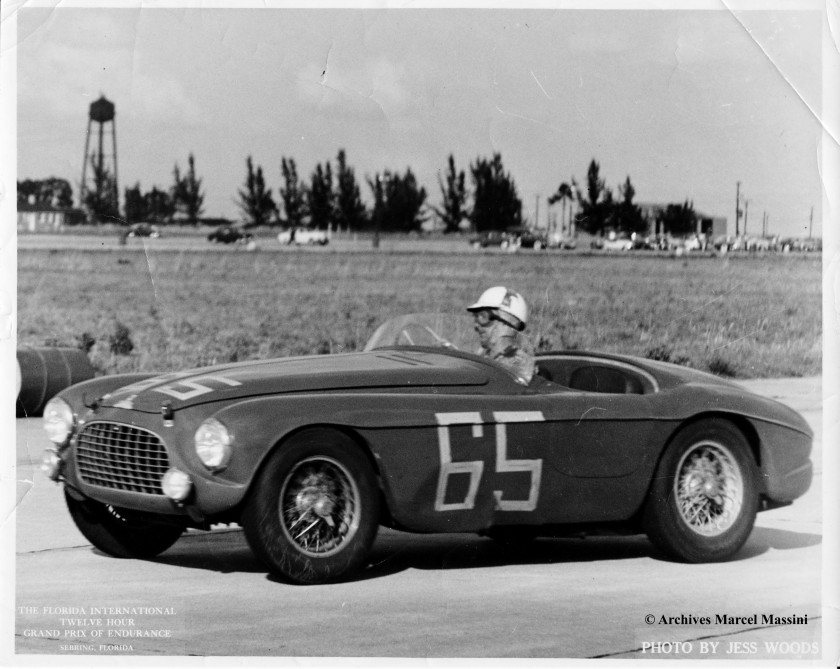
(475, 468)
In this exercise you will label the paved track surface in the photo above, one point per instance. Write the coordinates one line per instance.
(421, 596)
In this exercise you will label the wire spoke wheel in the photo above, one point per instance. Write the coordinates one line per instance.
(709, 489)
(313, 511)
(319, 504)
(704, 495)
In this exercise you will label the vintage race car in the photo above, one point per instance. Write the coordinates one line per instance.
(304, 237)
(312, 454)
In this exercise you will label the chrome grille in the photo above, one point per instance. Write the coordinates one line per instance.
(113, 455)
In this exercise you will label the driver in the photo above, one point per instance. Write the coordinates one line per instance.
(500, 317)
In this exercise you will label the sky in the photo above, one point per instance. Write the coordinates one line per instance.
(687, 103)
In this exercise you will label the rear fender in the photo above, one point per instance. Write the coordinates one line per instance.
(742, 424)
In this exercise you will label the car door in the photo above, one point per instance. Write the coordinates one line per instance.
(604, 440)
(559, 455)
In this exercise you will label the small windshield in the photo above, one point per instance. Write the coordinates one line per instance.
(445, 330)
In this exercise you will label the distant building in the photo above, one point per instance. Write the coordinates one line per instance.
(46, 218)
(711, 226)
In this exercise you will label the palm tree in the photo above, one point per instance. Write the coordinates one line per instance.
(564, 192)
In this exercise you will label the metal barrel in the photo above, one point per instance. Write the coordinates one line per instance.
(44, 372)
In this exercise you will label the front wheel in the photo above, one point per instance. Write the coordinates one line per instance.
(704, 497)
(119, 532)
(313, 512)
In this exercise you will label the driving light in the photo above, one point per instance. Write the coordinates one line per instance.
(51, 464)
(176, 484)
(212, 444)
(58, 420)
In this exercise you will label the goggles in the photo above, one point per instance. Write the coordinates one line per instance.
(483, 317)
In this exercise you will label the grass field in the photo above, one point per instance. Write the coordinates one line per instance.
(745, 317)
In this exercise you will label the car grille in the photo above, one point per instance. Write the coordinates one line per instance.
(113, 455)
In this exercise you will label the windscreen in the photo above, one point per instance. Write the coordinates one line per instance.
(445, 330)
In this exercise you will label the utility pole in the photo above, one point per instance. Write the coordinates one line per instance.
(537, 214)
(764, 223)
(746, 214)
(737, 205)
(811, 223)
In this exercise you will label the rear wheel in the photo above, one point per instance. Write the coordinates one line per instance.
(313, 512)
(119, 532)
(704, 496)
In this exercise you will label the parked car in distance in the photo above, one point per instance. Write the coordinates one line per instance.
(144, 230)
(528, 238)
(490, 238)
(617, 244)
(644, 243)
(788, 244)
(304, 237)
(229, 234)
(561, 241)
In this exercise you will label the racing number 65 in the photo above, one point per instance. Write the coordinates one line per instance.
(475, 468)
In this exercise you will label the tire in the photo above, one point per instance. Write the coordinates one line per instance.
(322, 482)
(704, 497)
(121, 533)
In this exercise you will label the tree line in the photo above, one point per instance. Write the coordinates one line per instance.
(598, 210)
(332, 198)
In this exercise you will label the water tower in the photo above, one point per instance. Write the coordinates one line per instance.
(102, 161)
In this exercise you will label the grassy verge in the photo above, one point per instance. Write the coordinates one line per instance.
(151, 311)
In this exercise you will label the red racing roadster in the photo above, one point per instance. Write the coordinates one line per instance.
(310, 455)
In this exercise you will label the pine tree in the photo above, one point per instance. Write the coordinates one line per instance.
(453, 209)
(596, 206)
(628, 216)
(255, 199)
(399, 204)
(496, 204)
(321, 198)
(135, 205)
(351, 212)
(293, 194)
(186, 193)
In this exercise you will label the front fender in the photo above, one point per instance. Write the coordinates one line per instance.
(258, 425)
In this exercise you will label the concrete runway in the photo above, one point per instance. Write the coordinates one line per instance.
(423, 596)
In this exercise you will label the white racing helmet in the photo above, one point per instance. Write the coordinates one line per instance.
(505, 301)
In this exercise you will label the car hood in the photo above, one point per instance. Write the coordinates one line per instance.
(350, 371)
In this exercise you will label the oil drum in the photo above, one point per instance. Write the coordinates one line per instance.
(44, 372)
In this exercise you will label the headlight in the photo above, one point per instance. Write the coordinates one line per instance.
(58, 420)
(176, 484)
(212, 444)
(51, 464)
